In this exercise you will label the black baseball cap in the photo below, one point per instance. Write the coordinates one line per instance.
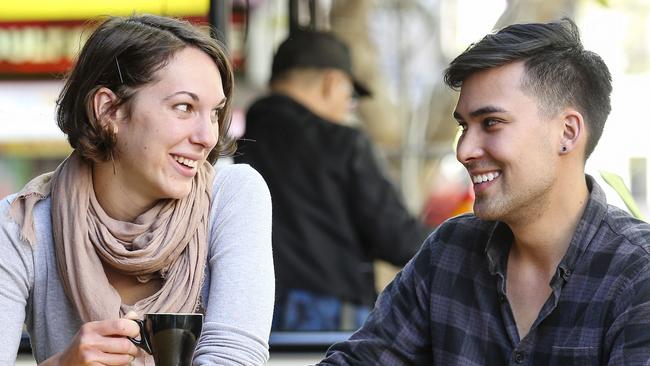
(312, 49)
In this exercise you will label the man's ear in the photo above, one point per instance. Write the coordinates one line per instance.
(328, 83)
(573, 131)
(104, 101)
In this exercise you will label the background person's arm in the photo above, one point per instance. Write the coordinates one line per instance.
(392, 233)
(239, 309)
(397, 332)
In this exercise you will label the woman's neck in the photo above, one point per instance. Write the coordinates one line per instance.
(113, 195)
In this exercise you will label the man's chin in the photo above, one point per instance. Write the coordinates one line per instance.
(486, 213)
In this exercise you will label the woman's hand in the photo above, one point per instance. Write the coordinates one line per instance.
(100, 343)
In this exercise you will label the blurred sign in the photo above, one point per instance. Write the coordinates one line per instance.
(27, 110)
(39, 47)
(48, 10)
(42, 37)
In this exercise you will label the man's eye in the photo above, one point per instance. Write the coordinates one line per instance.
(462, 126)
(489, 122)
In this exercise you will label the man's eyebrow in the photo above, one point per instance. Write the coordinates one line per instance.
(486, 110)
(481, 111)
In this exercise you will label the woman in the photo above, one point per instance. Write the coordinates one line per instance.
(135, 220)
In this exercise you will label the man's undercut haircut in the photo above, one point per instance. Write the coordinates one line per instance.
(559, 71)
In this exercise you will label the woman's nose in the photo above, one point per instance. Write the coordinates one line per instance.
(206, 132)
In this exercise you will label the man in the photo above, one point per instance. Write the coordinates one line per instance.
(544, 272)
(334, 211)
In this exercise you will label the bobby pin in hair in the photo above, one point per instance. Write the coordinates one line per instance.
(118, 70)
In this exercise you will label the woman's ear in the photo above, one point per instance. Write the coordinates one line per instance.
(573, 131)
(104, 101)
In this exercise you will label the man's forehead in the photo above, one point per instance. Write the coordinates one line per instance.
(490, 91)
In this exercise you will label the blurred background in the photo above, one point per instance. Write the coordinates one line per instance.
(400, 49)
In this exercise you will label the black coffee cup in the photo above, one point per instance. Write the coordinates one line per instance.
(170, 338)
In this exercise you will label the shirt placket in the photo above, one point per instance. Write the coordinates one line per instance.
(522, 349)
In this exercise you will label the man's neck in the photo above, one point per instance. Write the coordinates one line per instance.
(540, 242)
(542, 239)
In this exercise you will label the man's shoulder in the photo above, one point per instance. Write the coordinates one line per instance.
(466, 231)
(629, 230)
(467, 223)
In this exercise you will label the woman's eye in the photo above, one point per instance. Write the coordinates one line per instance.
(183, 107)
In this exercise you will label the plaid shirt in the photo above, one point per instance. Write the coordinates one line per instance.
(448, 306)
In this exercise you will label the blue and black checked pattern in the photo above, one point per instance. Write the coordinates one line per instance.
(448, 306)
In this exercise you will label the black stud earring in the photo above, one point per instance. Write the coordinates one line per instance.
(563, 148)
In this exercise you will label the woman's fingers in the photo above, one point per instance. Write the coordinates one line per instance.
(103, 343)
(119, 345)
(115, 327)
(111, 359)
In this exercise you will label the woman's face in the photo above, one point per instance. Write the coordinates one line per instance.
(172, 128)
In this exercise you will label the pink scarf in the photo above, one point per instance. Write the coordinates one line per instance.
(169, 241)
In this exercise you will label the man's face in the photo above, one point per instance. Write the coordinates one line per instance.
(339, 98)
(507, 146)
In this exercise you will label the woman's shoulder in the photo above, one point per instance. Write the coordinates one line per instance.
(5, 203)
(17, 254)
(41, 216)
(237, 177)
(41, 209)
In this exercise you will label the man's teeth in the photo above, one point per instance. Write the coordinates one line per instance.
(186, 162)
(481, 178)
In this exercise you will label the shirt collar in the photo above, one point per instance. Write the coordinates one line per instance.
(500, 239)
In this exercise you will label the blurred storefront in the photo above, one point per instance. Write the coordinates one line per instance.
(39, 40)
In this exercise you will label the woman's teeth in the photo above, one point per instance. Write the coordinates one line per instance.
(186, 162)
(482, 178)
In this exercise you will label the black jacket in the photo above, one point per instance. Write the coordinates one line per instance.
(334, 211)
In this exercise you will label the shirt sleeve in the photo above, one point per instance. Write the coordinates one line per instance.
(16, 281)
(390, 232)
(397, 331)
(627, 341)
(241, 292)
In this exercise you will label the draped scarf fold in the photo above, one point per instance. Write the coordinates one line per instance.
(168, 241)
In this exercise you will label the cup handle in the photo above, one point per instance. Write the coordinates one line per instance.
(143, 342)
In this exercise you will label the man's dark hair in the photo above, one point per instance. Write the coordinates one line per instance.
(123, 54)
(559, 71)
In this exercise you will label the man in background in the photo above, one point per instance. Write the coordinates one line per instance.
(334, 210)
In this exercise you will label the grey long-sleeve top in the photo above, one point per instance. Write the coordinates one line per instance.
(238, 291)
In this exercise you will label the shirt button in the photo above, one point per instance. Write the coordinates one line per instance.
(519, 357)
(502, 298)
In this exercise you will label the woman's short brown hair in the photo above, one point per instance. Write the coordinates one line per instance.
(123, 54)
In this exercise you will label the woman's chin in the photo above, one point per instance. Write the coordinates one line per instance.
(178, 192)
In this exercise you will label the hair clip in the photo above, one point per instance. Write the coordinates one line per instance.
(118, 70)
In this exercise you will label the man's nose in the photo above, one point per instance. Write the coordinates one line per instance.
(469, 147)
